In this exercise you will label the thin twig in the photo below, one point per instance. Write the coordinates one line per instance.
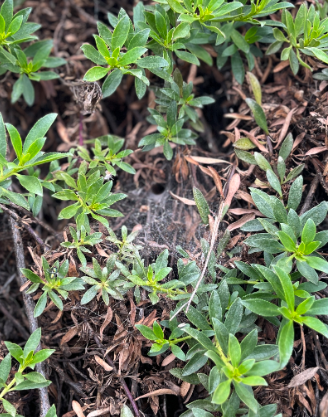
(29, 307)
(28, 228)
(125, 387)
(200, 279)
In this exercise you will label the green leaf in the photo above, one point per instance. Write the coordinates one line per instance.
(31, 385)
(39, 130)
(286, 147)
(7, 10)
(316, 325)
(262, 162)
(167, 150)
(317, 263)
(239, 40)
(120, 33)
(305, 305)
(245, 156)
(8, 407)
(111, 83)
(5, 367)
(132, 56)
(196, 318)
(95, 73)
(309, 232)
(31, 183)
(104, 33)
(234, 350)
(33, 342)
(16, 140)
(52, 412)
(102, 47)
(222, 392)
(3, 142)
(254, 381)
(319, 307)
(146, 332)
(69, 212)
(256, 87)
(40, 305)
(151, 62)
(176, 6)
(286, 342)
(274, 181)
(237, 66)
(42, 355)
(15, 351)
(262, 307)
(287, 287)
(90, 294)
(287, 241)
(258, 114)
(246, 396)
(188, 57)
(202, 205)
(295, 193)
(318, 53)
(91, 53)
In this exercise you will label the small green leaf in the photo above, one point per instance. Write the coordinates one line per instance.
(202, 205)
(111, 83)
(258, 114)
(31, 183)
(256, 87)
(95, 74)
(222, 392)
(120, 33)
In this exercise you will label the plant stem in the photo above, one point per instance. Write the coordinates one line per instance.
(29, 308)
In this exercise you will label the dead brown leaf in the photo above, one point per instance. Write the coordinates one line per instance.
(103, 364)
(156, 393)
(183, 199)
(78, 409)
(108, 319)
(304, 376)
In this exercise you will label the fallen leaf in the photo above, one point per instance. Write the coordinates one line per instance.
(156, 393)
(323, 407)
(316, 150)
(103, 364)
(69, 335)
(99, 412)
(240, 211)
(170, 358)
(106, 322)
(233, 188)
(184, 388)
(217, 180)
(183, 199)
(241, 222)
(304, 376)
(204, 160)
(78, 409)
